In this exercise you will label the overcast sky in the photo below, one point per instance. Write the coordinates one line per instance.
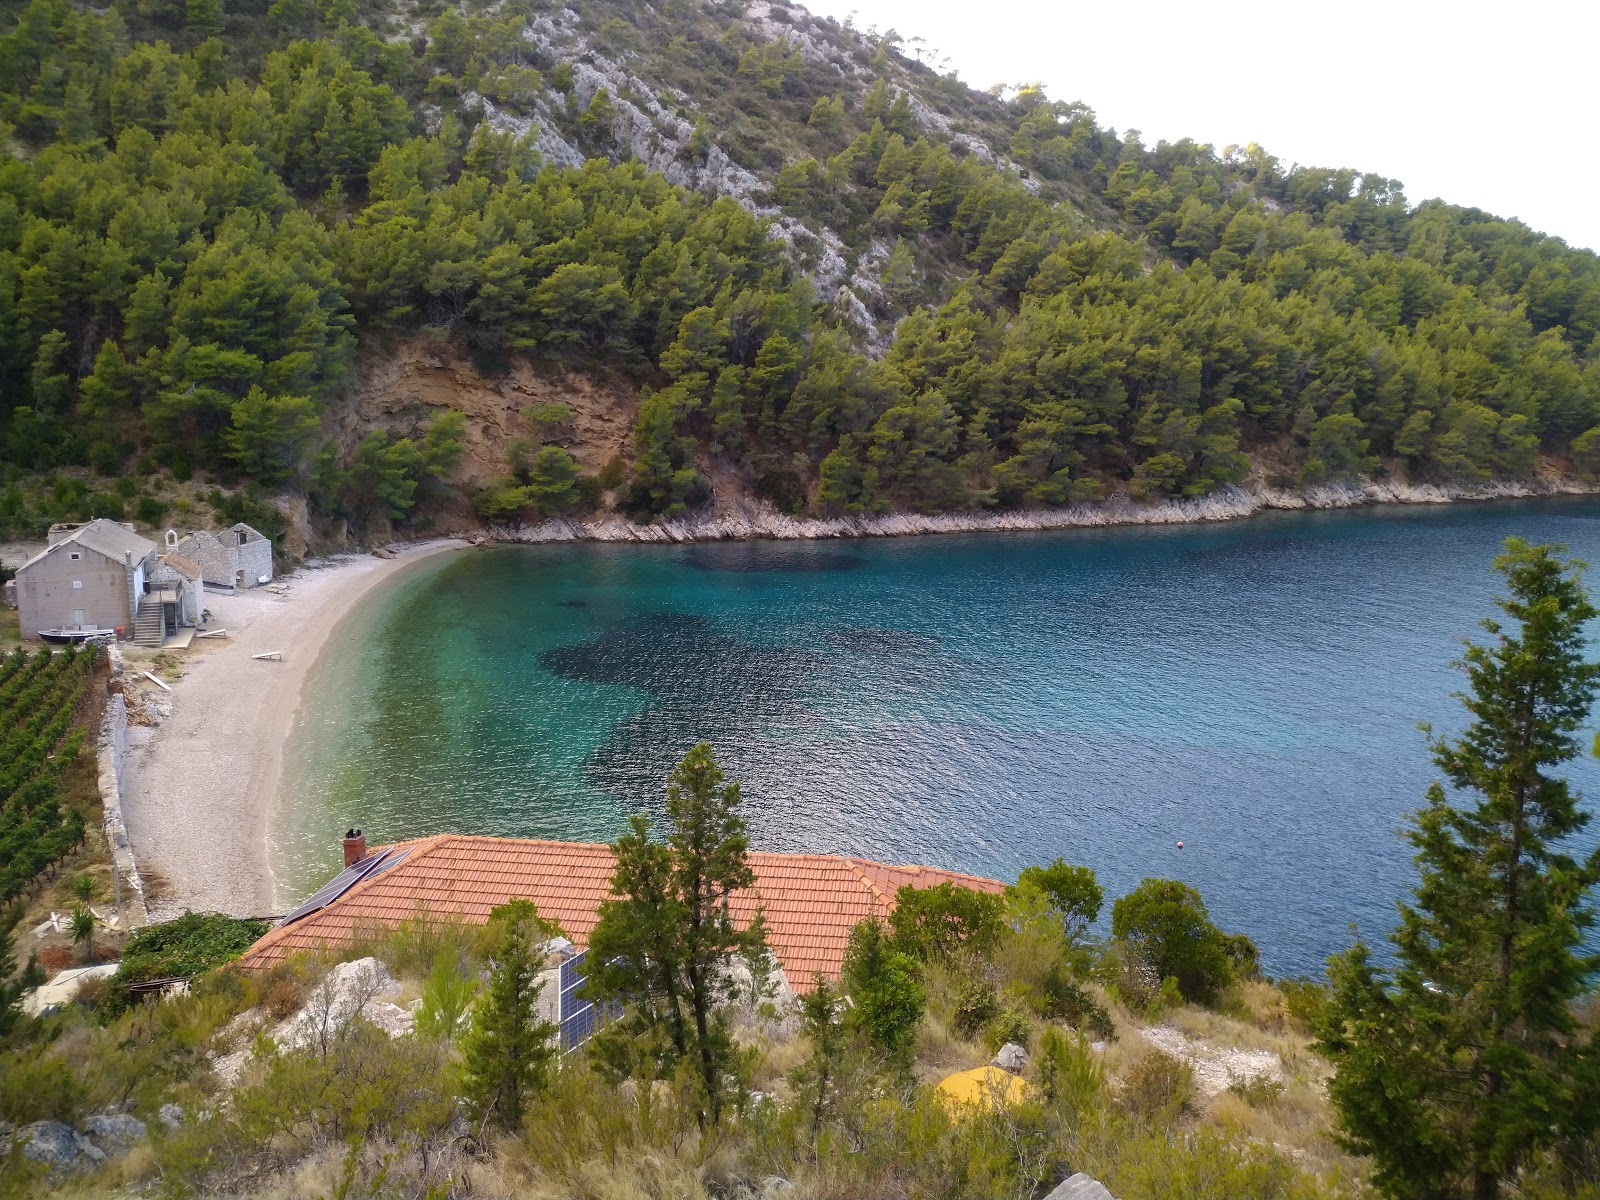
(1490, 106)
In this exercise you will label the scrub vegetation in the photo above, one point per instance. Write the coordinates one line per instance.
(1158, 1059)
(977, 299)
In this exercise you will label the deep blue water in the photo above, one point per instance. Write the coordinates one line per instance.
(980, 702)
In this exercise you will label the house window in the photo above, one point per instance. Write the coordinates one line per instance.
(75, 556)
(77, 583)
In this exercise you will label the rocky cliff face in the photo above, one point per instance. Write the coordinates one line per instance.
(402, 385)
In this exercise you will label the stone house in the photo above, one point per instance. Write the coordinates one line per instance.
(177, 588)
(90, 576)
(238, 557)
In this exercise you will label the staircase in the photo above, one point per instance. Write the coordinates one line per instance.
(148, 628)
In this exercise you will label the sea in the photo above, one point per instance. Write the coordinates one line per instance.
(1235, 705)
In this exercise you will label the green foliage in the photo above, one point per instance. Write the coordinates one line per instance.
(936, 922)
(1071, 895)
(1159, 1087)
(885, 990)
(1166, 921)
(184, 947)
(667, 939)
(507, 1050)
(207, 202)
(14, 983)
(269, 435)
(447, 995)
(40, 736)
(1465, 1060)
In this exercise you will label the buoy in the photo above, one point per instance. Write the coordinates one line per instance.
(1180, 845)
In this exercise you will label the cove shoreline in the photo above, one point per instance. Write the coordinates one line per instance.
(203, 778)
(748, 519)
(215, 761)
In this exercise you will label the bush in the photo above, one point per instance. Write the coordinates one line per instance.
(188, 946)
(1304, 1000)
(935, 922)
(1258, 1091)
(1010, 1024)
(976, 1005)
(1159, 1088)
(884, 989)
(1168, 923)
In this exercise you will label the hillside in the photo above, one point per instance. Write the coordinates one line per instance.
(718, 244)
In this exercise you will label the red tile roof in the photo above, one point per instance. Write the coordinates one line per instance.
(811, 901)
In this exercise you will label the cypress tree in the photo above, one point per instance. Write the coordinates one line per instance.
(1464, 1060)
(508, 1048)
(664, 944)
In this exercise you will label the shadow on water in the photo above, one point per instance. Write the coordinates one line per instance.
(705, 686)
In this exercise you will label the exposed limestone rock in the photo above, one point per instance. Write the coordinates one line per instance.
(1080, 1187)
(739, 518)
(59, 1147)
(1215, 1067)
(1011, 1057)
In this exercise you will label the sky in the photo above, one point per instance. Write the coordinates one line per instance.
(1495, 107)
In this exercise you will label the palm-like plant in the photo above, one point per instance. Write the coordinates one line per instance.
(83, 930)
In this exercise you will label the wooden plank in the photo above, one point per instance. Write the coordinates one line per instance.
(155, 681)
(274, 655)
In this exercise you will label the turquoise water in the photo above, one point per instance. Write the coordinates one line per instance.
(979, 702)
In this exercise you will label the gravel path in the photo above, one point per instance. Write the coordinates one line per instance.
(201, 780)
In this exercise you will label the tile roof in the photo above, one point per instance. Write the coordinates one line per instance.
(105, 537)
(180, 564)
(811, 901)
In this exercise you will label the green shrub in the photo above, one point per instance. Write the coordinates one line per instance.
(149, 511)
(1069, 1072)
(1168, 923)
(976, 1005)
(38, 1083)
(1304, 1000)
(1159, 1088)
(935, 922)
(185, 947)
(1010, 1024)
(1258, 1091)
(884, 988)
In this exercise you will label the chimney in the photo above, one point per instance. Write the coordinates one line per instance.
(355, 847)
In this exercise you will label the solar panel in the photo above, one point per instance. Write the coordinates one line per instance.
(580, 1018)
(366, 868)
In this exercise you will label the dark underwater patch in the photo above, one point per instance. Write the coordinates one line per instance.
(874, 639)
(705, 686)
(572, 603)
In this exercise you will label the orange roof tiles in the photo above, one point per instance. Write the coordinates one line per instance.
(811, 901)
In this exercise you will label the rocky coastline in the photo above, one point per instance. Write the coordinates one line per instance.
(751, 519)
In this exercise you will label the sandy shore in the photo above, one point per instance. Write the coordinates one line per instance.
(201, 783)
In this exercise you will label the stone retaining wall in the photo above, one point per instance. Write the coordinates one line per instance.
(113, 744)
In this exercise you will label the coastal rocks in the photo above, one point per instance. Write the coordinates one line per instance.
(1216, 1068)
(114, 1132)
(1080, 1187)
(742, 519)
(58, 1147)
(1012, 1057)
(350, 991)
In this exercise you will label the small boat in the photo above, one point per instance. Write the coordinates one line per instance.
(63, 636)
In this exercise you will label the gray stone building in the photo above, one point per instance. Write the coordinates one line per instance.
(238, 557)
(90, 576)
(176, 599)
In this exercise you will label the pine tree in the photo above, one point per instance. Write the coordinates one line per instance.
(1458, 1064)
(509, 1046)
(667, 941)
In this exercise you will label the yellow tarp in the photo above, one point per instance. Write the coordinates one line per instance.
(983, 1087)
